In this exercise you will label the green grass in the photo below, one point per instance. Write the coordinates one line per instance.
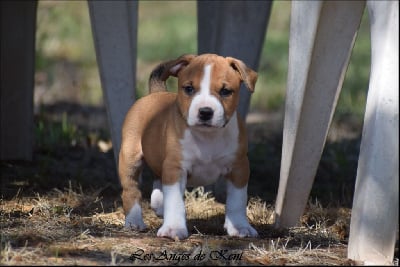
(271, 88)
(167, 30)
(64, 36)
(49, 135)
(271, 84)
(355, 85)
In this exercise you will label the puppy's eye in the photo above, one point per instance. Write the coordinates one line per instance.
(224, 92)
(189, 90)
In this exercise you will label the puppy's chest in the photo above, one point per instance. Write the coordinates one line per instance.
(207, 158)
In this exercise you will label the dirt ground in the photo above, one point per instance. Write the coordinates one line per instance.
(64, 206)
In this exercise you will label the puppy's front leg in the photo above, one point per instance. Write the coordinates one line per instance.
(174, 210)
(236, 223)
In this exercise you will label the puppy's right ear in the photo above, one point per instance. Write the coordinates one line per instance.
(162, 72)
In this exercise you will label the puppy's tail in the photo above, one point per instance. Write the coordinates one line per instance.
(157, 80)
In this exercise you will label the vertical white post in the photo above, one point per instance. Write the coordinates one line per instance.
(375, 214)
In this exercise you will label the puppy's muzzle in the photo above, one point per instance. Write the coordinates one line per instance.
(205, 114)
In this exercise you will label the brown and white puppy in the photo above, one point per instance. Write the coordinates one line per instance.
(191, 137)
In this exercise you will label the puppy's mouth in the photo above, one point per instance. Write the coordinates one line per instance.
(203, 124)
(209, 125)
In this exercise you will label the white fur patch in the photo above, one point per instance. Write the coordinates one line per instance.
(134, 218)
(208, 155)
(174, 224)
(205, 99)
(236, 223)
(156, 199)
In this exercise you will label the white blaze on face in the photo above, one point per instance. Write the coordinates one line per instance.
(203, 99)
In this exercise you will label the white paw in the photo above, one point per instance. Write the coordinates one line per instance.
(134, 219)
(156, 202)
(236, 223)
(245, 230)
(173, 232)
(174, 225)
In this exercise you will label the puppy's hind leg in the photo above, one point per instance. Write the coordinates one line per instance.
(130, 168)
(157, 198)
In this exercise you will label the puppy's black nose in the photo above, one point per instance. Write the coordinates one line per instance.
(205, 113)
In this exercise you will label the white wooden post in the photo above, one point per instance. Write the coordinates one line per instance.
(375, 213)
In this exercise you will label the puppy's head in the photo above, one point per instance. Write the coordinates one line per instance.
(208, 87)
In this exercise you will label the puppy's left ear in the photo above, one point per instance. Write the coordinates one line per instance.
(247, 75)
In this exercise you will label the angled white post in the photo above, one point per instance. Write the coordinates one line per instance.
(114, 27)
(375, 213)
(322, 35)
